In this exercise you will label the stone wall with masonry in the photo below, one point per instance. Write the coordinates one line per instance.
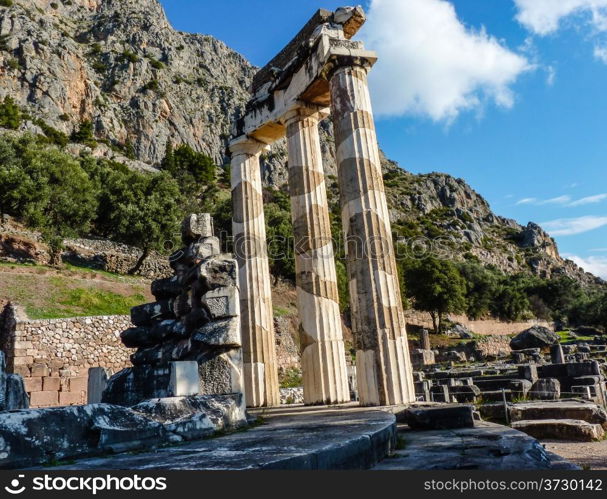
(54, 355)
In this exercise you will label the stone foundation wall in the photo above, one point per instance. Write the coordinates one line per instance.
(489, 326)
(54, 355)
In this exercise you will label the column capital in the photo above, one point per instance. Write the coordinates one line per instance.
(339, 61)
(247, 145)
(303, 110)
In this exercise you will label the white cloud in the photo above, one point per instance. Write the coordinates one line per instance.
(596, 265)
(565, 200)
(527, 201)
(599, 250)
(600, 52)
(540, 202)
(545, 16)
(432, 65)
(572, 226)
(589, 200)
(557, 200)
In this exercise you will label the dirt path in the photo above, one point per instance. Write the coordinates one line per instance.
(588, 455)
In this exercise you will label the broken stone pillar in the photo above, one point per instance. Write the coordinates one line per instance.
(378, 323)
(425, 340)
(97, 383)
(248, 225)
(556, 354)
(323, 356)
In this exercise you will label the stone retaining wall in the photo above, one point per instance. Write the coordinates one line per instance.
(54, 355)
(488, 326)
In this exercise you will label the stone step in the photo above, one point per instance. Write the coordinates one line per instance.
(591, 413)
(561, 429)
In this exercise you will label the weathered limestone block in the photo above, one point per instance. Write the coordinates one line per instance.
(534, 337)
(421, 358)
(136, 384)
(16, 396)
(465, 393)
(439, 418)
(556, 354)
(163, 353)
(546, 389)
(97, 383)
(196, 226)
(425, 340)
(222, 302)
(144, 315)
(222, 333)
(39, 436)
(588, 412)
(169, 287)
(136, 337)
(217, 272)
(561, 429)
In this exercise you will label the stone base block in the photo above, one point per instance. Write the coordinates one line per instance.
(438, 418)
(136, 384)
(37, 436)
(561, 429)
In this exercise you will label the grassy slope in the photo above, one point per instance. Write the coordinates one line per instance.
(48, 293)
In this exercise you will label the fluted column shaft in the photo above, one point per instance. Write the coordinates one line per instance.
(383, 365)
(248, 227)
(323, 361)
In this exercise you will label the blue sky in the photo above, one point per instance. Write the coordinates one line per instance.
(506, 94)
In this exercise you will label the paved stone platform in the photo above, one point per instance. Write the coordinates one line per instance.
(487, 446)
(296, 438)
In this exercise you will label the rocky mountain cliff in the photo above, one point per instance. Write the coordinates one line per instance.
(120, 65)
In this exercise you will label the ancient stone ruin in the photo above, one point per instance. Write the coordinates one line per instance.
(321, 71)
(188, 341)
(185, 383)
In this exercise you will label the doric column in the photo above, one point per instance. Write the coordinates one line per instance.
(323, 356)
(383, 364)
(248, 227)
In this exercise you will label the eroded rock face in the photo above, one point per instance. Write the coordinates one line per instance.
(534, 337)
(120, 64)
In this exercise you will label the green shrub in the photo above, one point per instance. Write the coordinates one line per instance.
(6, 3)
(156, 64)
(84, 134)
(10, 114)
(129, 56)
(13, 64)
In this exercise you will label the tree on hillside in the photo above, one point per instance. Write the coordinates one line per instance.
(47, 189)
(194, 171)
(481, 285)
(10, 114)
(436, 287)
(140, 210)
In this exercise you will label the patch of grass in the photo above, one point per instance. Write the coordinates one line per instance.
(281, 312)
(48, 293)
(565, 337)
(80, 302)
(291, 378)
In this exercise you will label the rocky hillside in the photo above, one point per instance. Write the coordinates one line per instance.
(120, 65)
